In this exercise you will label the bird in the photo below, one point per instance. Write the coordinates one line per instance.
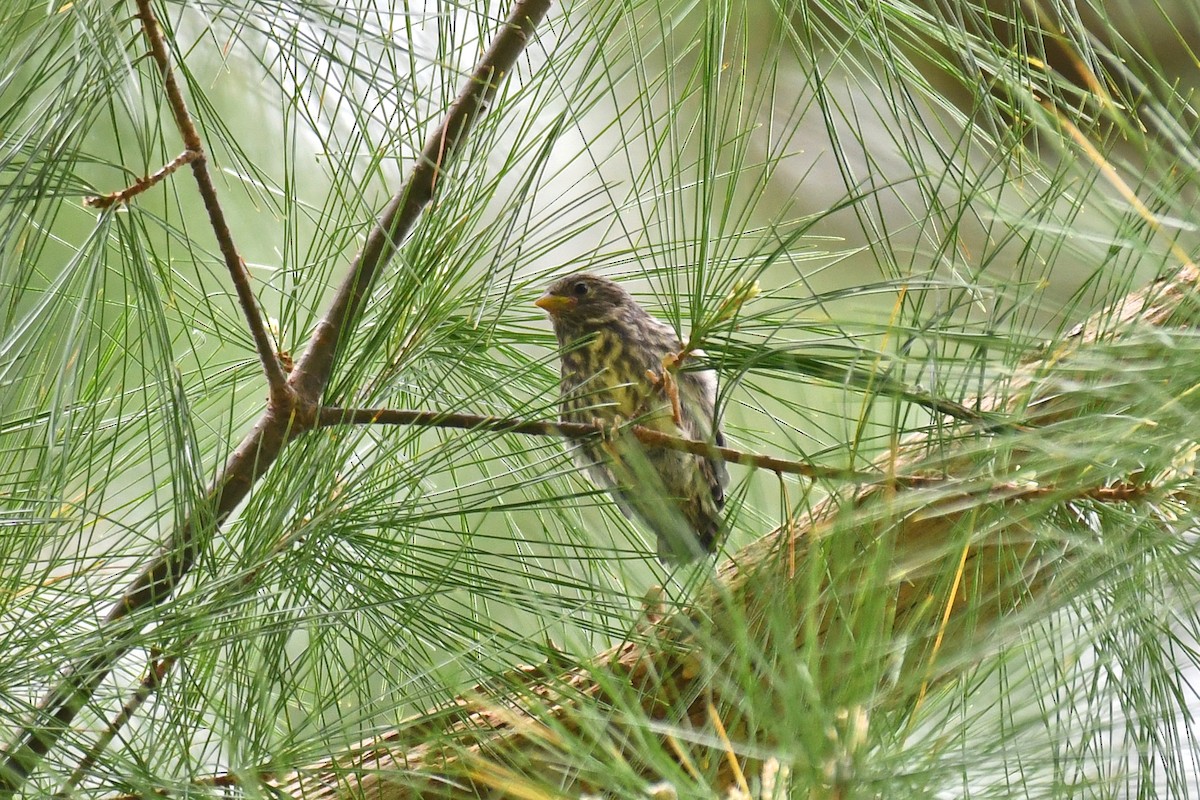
(619, 364)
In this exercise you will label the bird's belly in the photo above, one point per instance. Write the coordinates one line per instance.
(617, 394)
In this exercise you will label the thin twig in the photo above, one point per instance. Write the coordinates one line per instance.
(1113, 493)
(276, 377)
(582, 430)
(142, 184)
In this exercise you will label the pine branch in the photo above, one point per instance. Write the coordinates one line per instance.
(650, 438)
(581, 430)
(332, 417)
(288, 414)
(143, 184)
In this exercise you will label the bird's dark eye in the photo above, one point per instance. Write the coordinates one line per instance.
(580, 289)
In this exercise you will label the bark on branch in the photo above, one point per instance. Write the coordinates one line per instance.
(582, 430)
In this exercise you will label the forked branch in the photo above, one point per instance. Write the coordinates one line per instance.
(276, 379)
(292, 410)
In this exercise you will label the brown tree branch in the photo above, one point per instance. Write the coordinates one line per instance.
(276, 378)
(582, 430)
(288, 414)
(142, 184)
(329, 417)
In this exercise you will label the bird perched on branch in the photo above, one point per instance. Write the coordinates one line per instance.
(620, 365)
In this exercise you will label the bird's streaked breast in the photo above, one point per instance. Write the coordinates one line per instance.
(604, 377)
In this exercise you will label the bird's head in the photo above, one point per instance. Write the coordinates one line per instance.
(582, 302)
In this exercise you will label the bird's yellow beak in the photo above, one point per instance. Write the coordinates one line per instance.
(555, 305)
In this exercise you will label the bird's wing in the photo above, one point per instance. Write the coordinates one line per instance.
(698, 396)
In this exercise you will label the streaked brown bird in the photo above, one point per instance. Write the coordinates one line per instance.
(615, 369)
